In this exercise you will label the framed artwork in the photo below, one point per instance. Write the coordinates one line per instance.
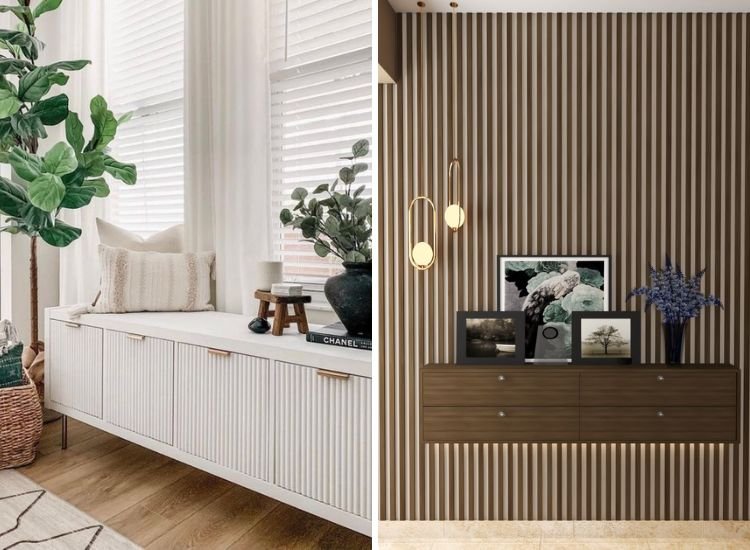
(606, 338)
(548, 290)
(489, 337)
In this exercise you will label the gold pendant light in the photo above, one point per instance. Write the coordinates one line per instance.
(454, 216)
(422, 254)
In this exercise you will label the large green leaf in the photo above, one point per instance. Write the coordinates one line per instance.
(101, 188)
(26, 165)
(28, 126)
(75, 178)
(78, 197)
(46, 192)
(361, 148)
(51, 111)
(9, 103)
(60, 235)
(92, 163)
(60, 160)
(45, 6)
(124, 172)
(27, 43)
(18, 11)
(105, 124)
(35, 219)
(74, 132)
(299, 194)
(75, 65)
(13, 66)
(34, 85)
(13, 198)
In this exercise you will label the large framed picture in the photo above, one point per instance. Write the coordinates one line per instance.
(606, 338)
(548, 290)
(489, 337)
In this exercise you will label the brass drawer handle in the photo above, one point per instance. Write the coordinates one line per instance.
(218, 352)
(72, 325)
(501, 378)
(659, 378)
(139, 337)
(332, 374)
(501, 413)
(659, 414)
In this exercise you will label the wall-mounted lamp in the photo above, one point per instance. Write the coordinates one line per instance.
(422, 254)
(454, 215)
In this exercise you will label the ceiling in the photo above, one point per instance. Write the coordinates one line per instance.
(577, 5)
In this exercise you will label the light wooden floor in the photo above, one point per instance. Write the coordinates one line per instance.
(160, 503)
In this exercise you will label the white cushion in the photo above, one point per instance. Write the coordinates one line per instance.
(153, 281)
(169, 240)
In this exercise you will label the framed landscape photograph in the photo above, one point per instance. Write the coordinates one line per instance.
(548, 290)
(489, 337)
(605, 338)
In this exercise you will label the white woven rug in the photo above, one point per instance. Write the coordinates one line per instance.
(33, 519)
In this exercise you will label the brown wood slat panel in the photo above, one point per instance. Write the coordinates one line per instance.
(658, 424)
(491, 386)
(659, 387)
(486, 425)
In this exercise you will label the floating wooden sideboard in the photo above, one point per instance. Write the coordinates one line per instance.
(569, 403)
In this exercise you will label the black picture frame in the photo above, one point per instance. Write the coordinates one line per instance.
(634, 319)
(554, 352)
(463, 357)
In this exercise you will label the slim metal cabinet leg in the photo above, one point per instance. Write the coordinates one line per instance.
(64, 431)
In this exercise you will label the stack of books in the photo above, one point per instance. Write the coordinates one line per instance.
(336, 335)
(286, 289)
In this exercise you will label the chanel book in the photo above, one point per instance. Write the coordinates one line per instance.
(336, 335)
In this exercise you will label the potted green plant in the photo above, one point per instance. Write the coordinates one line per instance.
(70, 174)
(337, 219)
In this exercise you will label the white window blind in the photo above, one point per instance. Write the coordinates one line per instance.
(145, 58)
(321, 103)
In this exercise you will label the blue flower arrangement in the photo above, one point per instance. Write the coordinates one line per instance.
(677, 296)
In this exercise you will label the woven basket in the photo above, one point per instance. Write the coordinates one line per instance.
(20, 424)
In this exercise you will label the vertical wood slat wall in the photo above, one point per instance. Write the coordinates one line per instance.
(619, 134)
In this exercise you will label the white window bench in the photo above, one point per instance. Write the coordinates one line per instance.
(278, 415)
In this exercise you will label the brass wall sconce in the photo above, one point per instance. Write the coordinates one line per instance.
(454, 215)
(422, 254)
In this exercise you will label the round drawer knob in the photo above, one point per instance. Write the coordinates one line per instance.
(501, 413)
(659, 378)
(501, 378)
(659, 413)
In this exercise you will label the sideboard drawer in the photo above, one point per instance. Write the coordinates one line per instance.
(499, 424)
(74, 367)
(652, 424)
(467, 387)
(138, 384)
(223, 409)
(659, 387)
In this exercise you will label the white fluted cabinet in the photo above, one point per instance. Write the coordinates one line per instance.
(278, 415)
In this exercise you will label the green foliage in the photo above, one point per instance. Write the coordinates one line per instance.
(70, 174)
(337, 222)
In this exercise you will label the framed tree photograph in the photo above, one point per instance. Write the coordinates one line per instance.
(606, 338)
(548, 290)
(489, 337)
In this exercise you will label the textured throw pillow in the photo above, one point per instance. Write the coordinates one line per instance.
(169, 240)
(11, 372)
(152, 281)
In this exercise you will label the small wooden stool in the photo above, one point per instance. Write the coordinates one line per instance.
(280, 313)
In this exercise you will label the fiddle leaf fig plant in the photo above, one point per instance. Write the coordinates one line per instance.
(69, 175)
(335, 217)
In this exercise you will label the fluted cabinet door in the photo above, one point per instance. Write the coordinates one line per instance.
(138, 384)
(323, 444)
(74, 367)
(223, 409)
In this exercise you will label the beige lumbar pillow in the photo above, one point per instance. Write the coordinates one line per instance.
(169, 240)
(153, 281)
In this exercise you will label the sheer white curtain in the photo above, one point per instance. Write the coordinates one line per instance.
(75, 31)
(226, 145)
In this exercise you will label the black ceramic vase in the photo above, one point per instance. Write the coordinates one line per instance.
(350, 296)
(674, 337)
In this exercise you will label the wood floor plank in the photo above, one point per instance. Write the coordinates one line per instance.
(168, 507)
(287, 527)
(219, 524)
